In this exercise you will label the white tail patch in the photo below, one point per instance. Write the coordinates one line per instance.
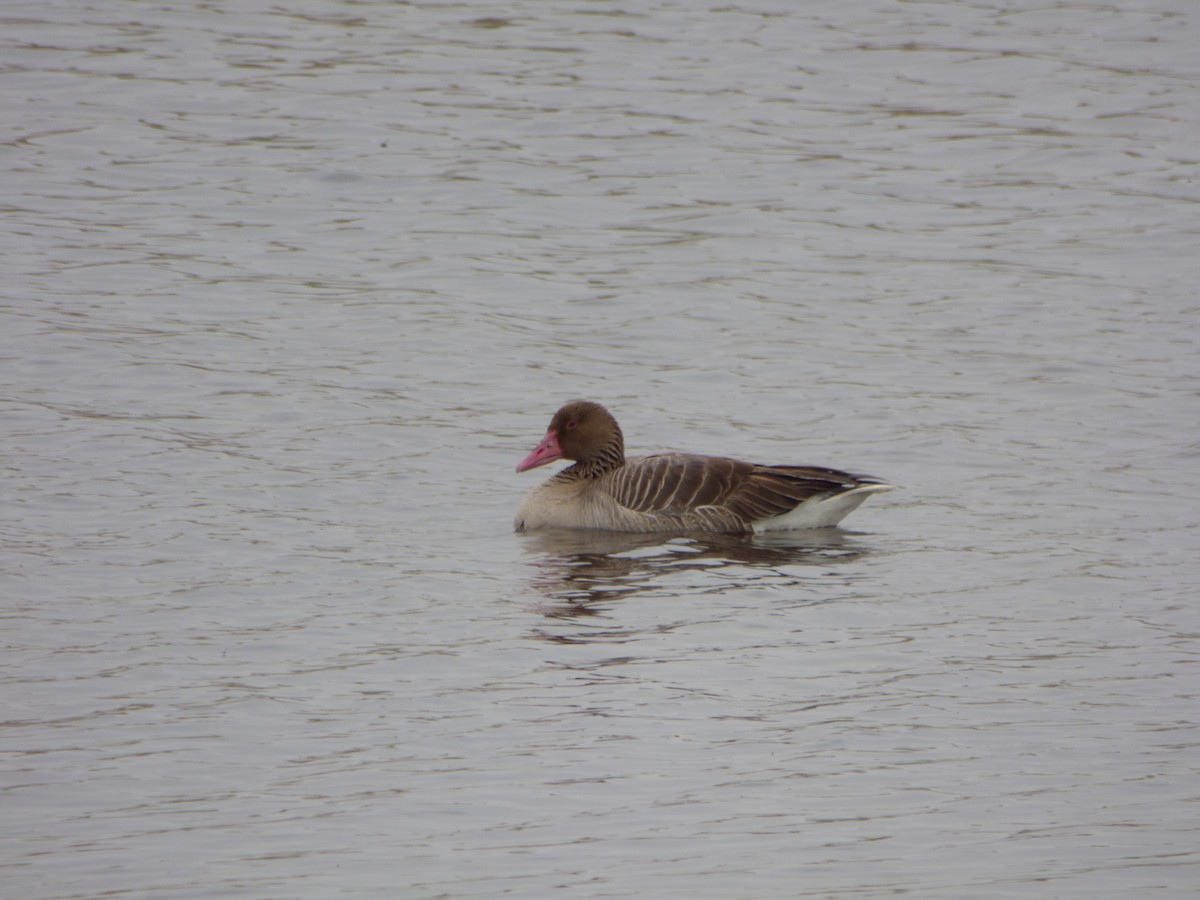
(822, 511)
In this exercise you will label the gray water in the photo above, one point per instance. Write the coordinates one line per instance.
(288, 290)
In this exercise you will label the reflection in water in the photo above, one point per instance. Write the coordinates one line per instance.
(579, 571)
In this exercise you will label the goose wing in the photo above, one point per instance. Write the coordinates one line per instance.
(680, 484)
(770, 491)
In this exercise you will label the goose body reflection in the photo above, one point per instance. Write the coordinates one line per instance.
(581, 568)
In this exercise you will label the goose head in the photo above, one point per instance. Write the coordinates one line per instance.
(583, 432)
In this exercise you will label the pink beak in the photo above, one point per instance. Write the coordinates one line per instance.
(545, 452)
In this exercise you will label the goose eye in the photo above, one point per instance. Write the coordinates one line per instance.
(571, 425)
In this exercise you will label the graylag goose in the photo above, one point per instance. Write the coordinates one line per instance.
(674, 492)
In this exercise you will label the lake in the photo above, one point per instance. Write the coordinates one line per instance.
(288, 291)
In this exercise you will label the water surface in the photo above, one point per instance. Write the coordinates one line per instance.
(289, 290)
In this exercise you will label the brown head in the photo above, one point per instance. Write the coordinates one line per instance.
(584, 432)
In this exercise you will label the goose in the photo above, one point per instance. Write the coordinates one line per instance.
(674, 492)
